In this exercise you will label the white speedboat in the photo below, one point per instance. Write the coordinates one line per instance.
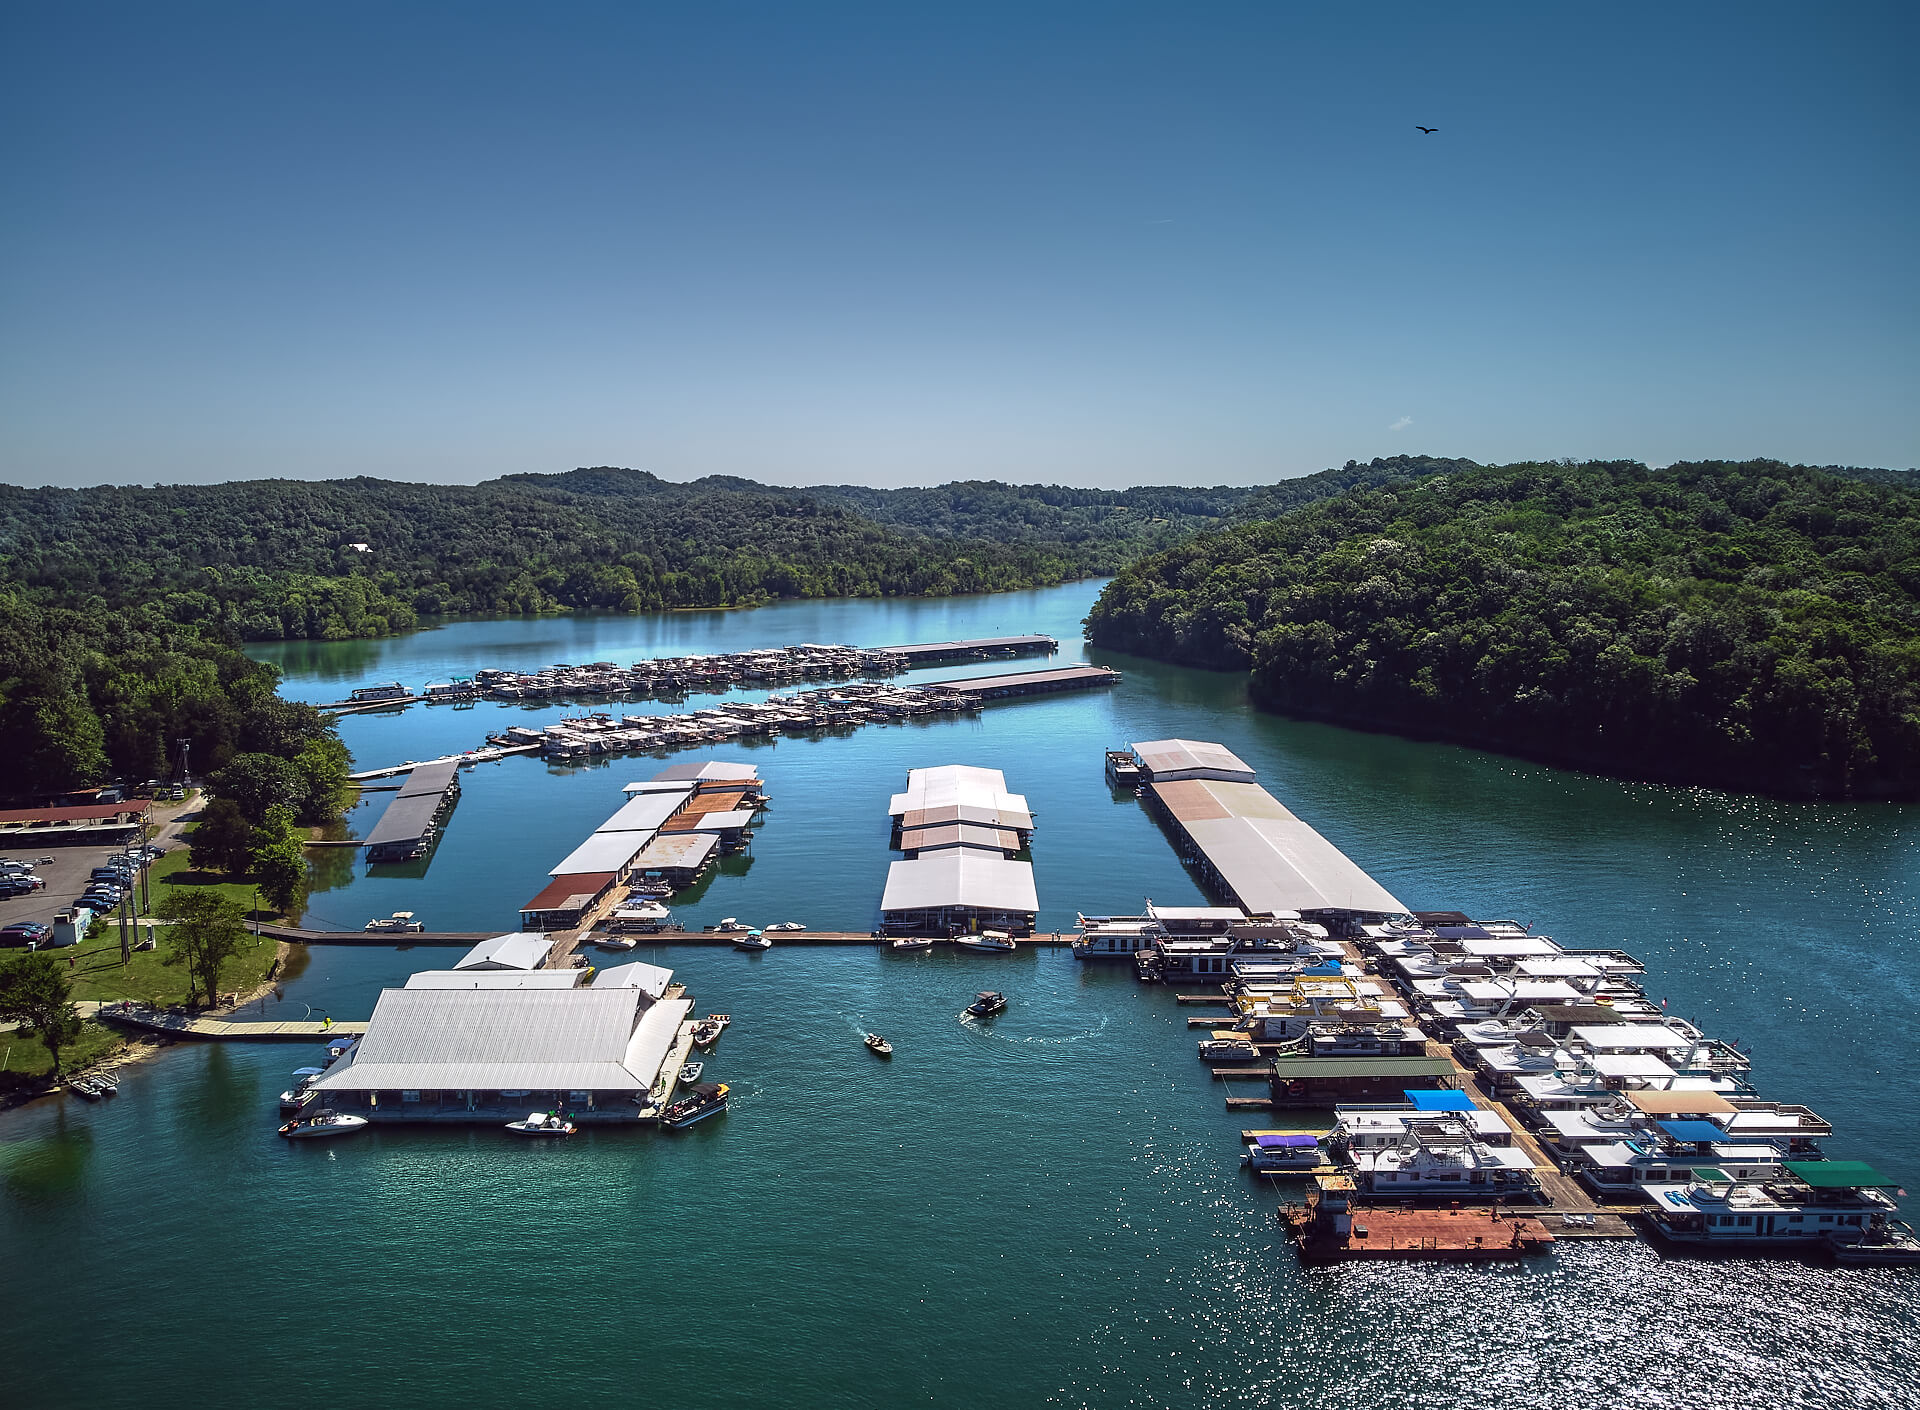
(752, 940)
(878, 1045)
(907, 945)
(323, 1124)
(787, 925)
(615, 942)
(542, 1123)
(992, 942)
(690, 1073)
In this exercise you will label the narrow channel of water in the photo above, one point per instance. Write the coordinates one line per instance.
(1046, 1209)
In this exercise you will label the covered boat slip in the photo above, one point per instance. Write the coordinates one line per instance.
(959, 888)
(1259, 855)
(406, 828)
(486, 1055)
(961, 786)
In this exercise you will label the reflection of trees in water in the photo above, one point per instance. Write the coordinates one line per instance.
(48, 1168)
(329, 868)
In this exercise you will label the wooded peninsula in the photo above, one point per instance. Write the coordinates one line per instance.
(1753, 626)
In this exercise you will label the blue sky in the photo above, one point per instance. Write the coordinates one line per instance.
(900, 244)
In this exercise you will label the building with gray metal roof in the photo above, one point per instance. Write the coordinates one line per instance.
(1166, 760)
(452, 1054)
(520, 950)
(959, 888)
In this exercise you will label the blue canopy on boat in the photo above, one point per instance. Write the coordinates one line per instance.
(308, 1071)
(1694, 1132)
(1267, 1143)
(1438, 1099)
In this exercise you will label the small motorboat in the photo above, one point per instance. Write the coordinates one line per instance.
(991, 942)
(399, 920)
(297, 1095)
(84, 1088)
(614, 942)
(107, 1084)
(542, 1123)
(729, 924)
(909, 946)
(879, 1046)
(708, 1030)
(690, 1073)
(323, 1124)
(752, 940)
(987, 1004)
(707, 1099)
(787, 925)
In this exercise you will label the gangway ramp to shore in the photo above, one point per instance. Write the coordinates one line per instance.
(184, 1025)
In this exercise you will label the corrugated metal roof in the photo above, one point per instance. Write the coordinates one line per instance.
(671, 850)
(1175, 757)
(1270, 859)
(603, 851)
(713, 771)
(430, 778)
(730, 820)
(649, 979)
(570, 893)
(523, 949)
(929, 839)
(406, 819)
(510, 1040)
(646, 812)
(494, 979)
(960, 876)
(956, 813)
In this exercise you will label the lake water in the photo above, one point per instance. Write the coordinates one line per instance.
(1046, 1210)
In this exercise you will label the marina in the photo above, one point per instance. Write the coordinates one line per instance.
(1120, 1145)
(678, 676)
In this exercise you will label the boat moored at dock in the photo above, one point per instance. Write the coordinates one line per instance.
(323, 1125)
(707, 1099)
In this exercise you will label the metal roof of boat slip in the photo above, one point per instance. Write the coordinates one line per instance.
(1167, 759)
(1269, 859)
(603, 851)
(647, 811)
(511, 1040)
(430, 778)
(960, 876)
(958, 785)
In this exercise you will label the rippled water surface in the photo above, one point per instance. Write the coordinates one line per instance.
(1043, 1209)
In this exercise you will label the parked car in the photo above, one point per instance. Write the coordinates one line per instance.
(12, 886)
(25, 932)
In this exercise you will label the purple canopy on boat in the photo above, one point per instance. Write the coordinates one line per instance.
(1268, 1143)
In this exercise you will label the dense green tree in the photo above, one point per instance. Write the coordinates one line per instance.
(222, 841)
(278, 859)
(35, 992)
(256, 783)
(205, 929)
(1751, 625)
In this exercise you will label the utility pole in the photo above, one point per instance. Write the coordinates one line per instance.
(185, 776)
(126, 916)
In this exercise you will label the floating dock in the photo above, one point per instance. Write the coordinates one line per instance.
(1021, 683)
(408, 827)
(927, 653)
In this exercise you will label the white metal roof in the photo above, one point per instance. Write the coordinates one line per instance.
(658, 785)
(1281, 864)
(717, 822)
(960, 876)
(494, 979)
(523, 949)
(1629, 1065)
(1226, 913)
(603, 851)
(646, 811)
(956, 785)
(1630, 1037)
(510, 1040)
(1510, 947)
(1192, 758)
(649, 979)
(713, 771)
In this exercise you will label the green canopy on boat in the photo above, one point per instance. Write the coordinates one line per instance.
(1838, 1174)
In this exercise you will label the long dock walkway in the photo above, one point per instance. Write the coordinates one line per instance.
(181, 1025)
(295, 935)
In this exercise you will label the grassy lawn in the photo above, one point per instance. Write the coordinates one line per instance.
(96, 971)
(175, 870)
(24, 1061)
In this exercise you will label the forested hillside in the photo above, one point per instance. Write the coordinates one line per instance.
(1751, 625)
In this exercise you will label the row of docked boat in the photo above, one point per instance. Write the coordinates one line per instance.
(806, 712)
(94, 1087)
(672, 675)
(987, 942)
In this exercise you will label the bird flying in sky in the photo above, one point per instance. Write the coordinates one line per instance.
(1427, 129)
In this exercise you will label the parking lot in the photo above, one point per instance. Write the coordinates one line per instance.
(67, 874)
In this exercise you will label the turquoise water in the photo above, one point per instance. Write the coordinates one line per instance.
(1043, 1210)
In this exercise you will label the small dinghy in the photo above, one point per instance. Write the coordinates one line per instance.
(542, 1123)
(84, 1088)
(690, 1073)
(878, 1046)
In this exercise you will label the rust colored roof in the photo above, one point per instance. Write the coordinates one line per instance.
(572, 892)
(90, 812)
(1188, 800)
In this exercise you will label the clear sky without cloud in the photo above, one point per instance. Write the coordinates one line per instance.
(1094, 244)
